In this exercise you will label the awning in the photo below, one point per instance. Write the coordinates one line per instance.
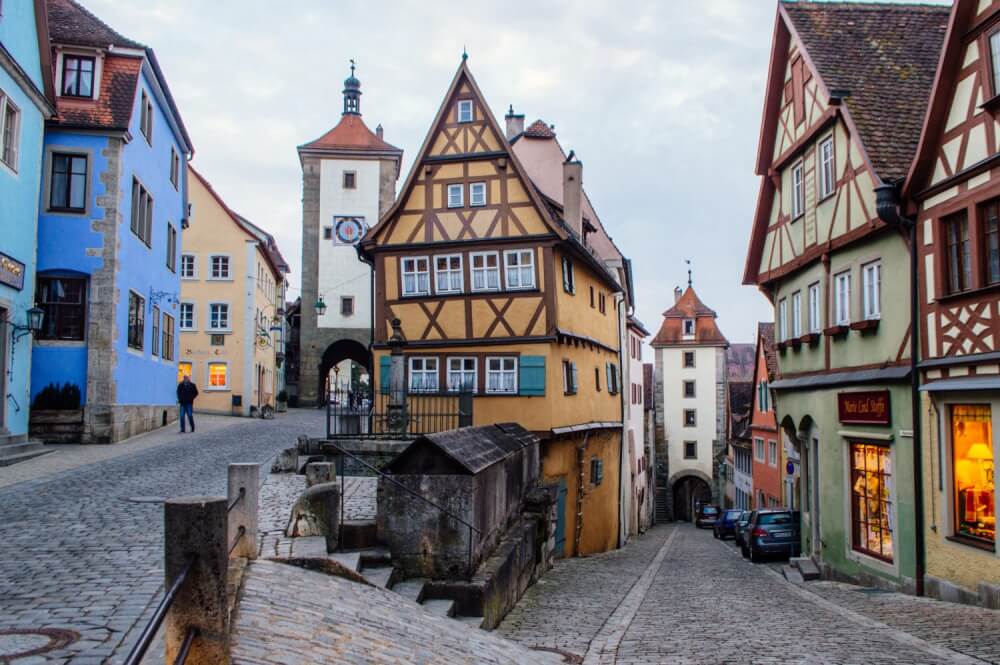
(843, 378)
(991, 382)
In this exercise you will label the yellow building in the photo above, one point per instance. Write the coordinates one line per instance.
(499, 291)
(232, 287)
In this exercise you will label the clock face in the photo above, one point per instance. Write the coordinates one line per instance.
(348, 230)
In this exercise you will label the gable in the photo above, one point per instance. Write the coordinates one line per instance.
(803, 104)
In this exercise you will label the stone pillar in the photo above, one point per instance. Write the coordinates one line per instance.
(397, 380)
(194, 530)
(243, 478)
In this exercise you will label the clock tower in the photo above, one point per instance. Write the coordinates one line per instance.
(348, 180)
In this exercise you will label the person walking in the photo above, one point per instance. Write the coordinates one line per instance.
(186, 392)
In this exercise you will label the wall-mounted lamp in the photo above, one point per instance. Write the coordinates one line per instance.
(34, 324)
(320, 306)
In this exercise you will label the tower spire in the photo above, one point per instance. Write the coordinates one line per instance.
(352, 93)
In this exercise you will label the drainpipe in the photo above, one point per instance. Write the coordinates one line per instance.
(888, 205)
(624, 470)
(364, 257)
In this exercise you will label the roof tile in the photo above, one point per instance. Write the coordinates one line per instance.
(113, 107)
(351, 133)
(70, 23)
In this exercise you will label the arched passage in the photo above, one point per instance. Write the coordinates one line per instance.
(343, 349)
(687, 492)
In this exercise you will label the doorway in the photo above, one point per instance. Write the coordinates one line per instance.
(690, 492)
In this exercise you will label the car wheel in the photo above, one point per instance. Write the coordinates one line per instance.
(743, 551)
(754, 556)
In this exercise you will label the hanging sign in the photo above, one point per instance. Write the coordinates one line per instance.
(870, 407)
(11, 272)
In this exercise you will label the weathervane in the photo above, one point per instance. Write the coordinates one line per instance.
(352, 66)
(688, 262)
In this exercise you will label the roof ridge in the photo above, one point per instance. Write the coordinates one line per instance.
(880, 6)
(94, 17)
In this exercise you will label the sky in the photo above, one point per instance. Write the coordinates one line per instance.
(660, 100)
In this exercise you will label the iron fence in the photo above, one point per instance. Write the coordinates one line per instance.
(366, 413)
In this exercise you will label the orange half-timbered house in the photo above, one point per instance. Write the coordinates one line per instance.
(498, 293)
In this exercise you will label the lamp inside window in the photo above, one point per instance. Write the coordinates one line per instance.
(972, 469)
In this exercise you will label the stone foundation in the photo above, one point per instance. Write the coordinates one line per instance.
(114, 423)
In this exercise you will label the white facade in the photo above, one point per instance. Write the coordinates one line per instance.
(341, 273)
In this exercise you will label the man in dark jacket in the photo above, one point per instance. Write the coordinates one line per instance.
(186, 392)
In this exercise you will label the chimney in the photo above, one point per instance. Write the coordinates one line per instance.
(378, 131)
(573, 194)
(677, 294)
(515, 123)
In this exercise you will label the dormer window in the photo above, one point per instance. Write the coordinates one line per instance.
(77, 76)
(465, 110)
(689, 327)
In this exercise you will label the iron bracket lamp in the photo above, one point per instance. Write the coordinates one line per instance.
(34, 324)
(320, 306)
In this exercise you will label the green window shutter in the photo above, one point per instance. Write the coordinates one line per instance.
(384, 373)
(531, 379)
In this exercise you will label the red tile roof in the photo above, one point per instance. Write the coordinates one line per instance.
(539, 130)
(113, 107)
(689, 306)
(70, 23)
(351, 133)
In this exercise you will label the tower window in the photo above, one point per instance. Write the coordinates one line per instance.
(465, 110)
(689, 326)
(350, 180)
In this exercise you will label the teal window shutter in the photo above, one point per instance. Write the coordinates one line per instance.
(384, 373)
(531, 381)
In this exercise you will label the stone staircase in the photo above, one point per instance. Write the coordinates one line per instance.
(801, 569)
(16, 448)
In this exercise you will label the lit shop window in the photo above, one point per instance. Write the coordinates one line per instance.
(183, 369)
(871, 500)
(972, 464)
(218, 375)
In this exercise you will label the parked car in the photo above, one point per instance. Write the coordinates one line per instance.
(741, 526)
(706, 516)
(725, 526)
(772, 531)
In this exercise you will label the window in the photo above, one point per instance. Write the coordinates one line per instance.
(347, 305)
(218, 376)
(455, 194)
(77, 76)
(448, 273)
(350, 180)
(842, 298)
(477, 194)
(592, 297)
(146, 118)
(689, 389)
(64, 303)
(763, 396)
(612, 370)
(68, 188)
(501, 375)
(155, 338)
(171, 248)
(327, 233)
(826, 168)
(689, 359)
(597, 379)
(175, 168)
(871, 500)
(10, 126)
(972, 472)
(188, 266)
(569, 280)
(758, 450)
(569, 377)
(690, 418)
(602, 303)
(167, 352)
(995, 61)
(187, 316)
(798, 191)
(218, 316)
(871, 284)
(991, 231)
(520, 268)
(956, 233)
(485, 271)
(136, 320)
(465, 110)
(782, 319)
(423, 375)
(462, 375)
(142, 213)
(797, 314)
(689, 327)
(184, 368)
(416, 276)
(814, 320)
(772, 453)
(596, 471)
(219, 266)
(690, 450)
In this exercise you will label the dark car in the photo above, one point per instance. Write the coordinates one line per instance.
(725, 526)
(742, 529)
(707, 515)
(772, 531)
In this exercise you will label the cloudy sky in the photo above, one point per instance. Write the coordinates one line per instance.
(660, 100)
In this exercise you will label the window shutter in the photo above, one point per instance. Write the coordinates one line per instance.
(384, 373)
(572, 367)
(531, 381)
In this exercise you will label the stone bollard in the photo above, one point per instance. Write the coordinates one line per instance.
(194, 528)
(244, 513)
(320, 472)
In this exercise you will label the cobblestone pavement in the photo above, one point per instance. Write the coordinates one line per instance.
(77, 553)
(692, 599)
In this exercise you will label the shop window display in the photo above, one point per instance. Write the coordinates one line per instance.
(972, 466)
(871, 500)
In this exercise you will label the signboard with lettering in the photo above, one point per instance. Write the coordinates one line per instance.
(870, 407)
(11, 272)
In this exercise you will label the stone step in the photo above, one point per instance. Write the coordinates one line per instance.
(8, 460)
(475, 622)
(309, 547)
(18, 447)
(792, 574)
(378, 575)
(410, 589)
(7, 438)
(806, 566)
(443, 607)
(349, 560)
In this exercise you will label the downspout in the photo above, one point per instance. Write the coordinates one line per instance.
(888, 205)
(624, 470)
(364, 258)
(581, 451)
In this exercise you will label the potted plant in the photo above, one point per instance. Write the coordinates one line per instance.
(282, 401)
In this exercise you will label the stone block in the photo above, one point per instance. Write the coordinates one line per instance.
(941, 589)
(316, 513)
(792, 574)
(989, 595)
(806, 566)
(320, 472)
(287, 461)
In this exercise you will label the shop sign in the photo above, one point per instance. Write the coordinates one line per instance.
(11, 272)
(864, 408)
(790, 468)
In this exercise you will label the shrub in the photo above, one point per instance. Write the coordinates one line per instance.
(56, 398)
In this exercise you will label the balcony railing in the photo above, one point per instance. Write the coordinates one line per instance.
(381, 414)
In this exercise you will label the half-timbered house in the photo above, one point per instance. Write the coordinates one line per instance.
(845, 92)
(954, 192)
(499, 292)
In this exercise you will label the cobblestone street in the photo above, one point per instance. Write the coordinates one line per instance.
(81, 545)
(676, 595)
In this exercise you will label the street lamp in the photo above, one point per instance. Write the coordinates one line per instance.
(34, 320)
(320, 306)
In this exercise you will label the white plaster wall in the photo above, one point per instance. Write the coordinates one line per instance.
(635, 411)
(674, 404)
(341, 273)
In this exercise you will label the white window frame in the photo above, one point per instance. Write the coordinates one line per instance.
(783, 319)
(416, 274)
(758, 450)
(798, 190)
(827, 175)
(797, 314)
(474, 201)
(464, 112)
(518, 268)
(684, 328)
(424, 372)
(449, 273)
(842, 298)
(484, 270)
(772, 453)
(502, 372)
(194, 265)
(871, 290)
(194, 316)
(228, 277)
(208, 374)
(815, 322)
(462, 372)
(5, 103)
(455, 201)
(211, 323)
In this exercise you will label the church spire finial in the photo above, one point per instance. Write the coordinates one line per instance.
(688, 262)
(465, 53)
(352, 93)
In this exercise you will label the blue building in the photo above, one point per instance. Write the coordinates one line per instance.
(112, 207)
(25, 103)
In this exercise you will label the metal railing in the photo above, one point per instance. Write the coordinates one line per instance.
(381, 414)
(149, 632)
